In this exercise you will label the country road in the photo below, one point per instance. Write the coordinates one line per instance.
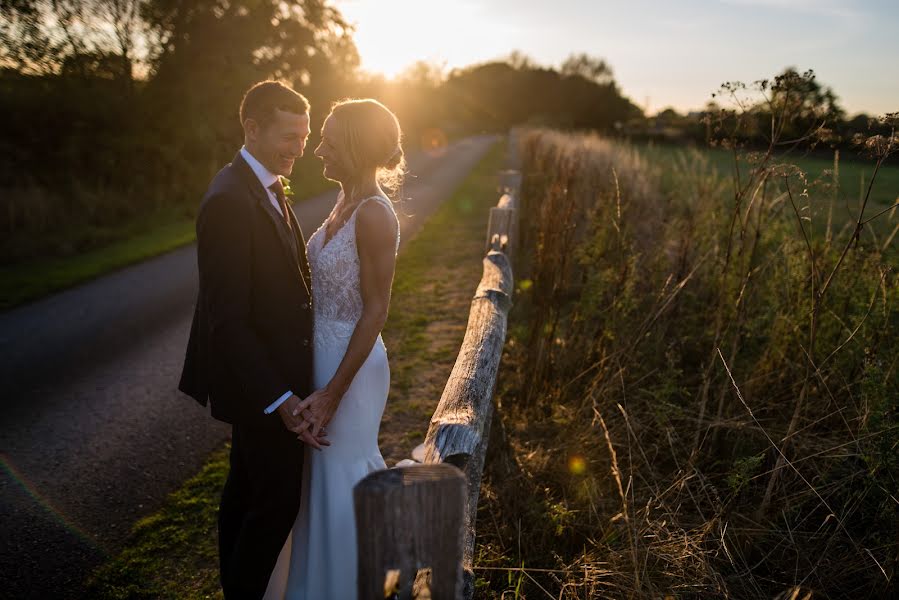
(94, 434)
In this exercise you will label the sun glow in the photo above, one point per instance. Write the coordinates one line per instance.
(662, 61)
(391, 35)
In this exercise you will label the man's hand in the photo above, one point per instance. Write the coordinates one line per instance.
(320, 407)
(301, 422)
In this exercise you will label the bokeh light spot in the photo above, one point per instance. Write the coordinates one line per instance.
(433, 142)
(577, 465)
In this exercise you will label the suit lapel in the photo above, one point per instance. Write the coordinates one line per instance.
(288, 240)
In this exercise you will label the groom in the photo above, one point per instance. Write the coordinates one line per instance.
(250, 347)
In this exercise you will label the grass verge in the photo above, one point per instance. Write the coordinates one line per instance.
(173, 553)
(29, 281)
(103, 250)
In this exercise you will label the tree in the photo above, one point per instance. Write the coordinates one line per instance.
(799, 104)
(68, 37)
(126, 22)
(481, 96)
(520, 61)
(24, 44)
(129, 139)
(296, 40)
(588, 67)
(206, 53)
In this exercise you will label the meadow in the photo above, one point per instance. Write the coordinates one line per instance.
(846, 190)
(699, 393)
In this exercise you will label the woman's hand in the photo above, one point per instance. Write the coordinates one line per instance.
(321, 406)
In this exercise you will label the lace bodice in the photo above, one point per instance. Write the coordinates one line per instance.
(336, 294)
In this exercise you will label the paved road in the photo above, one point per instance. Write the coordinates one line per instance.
(94, 434)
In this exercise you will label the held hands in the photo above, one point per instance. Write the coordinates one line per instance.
(301, 422)
(319, 407)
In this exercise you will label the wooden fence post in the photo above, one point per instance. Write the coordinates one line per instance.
(409, 518)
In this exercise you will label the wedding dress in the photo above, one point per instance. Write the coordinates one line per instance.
(318, 560)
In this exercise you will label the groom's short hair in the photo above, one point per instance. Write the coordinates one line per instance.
(265, 97)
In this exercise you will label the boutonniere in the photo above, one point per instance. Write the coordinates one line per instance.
(285, 183)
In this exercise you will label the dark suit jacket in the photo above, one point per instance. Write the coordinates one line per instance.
(251, 336)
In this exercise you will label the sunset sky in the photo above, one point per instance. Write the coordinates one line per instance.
(663, 53)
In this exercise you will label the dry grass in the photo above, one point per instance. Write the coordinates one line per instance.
(699, 395)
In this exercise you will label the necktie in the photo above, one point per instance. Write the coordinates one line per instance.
(278, 189)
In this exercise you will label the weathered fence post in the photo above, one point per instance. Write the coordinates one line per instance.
(503, 222)
(409, 518)
(460, 426)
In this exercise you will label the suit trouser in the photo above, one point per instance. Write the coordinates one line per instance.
(259, 504)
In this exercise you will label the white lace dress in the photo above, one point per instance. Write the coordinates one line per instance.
(318, 560)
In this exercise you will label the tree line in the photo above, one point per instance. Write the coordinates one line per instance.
(808, 115)
(121, 108)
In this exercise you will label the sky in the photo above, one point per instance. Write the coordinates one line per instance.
(664, 53)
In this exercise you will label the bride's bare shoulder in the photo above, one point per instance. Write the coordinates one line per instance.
(376, 223)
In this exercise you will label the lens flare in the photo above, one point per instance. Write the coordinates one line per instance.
(433, 142)
(577, 465)
(11, 473)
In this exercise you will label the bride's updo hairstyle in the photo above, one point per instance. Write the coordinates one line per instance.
(372, 139)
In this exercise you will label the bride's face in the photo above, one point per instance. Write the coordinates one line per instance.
(330, 151)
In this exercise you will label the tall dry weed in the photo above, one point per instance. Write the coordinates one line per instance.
(700, 394)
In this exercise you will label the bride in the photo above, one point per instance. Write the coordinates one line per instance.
(352, 257)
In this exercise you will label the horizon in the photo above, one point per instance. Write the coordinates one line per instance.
(826, 37)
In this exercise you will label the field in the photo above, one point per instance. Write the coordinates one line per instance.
(699, 395)
(854, 175)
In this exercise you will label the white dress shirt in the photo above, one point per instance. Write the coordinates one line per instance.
(266, 178)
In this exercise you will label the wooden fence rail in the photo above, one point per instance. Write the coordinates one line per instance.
(455, 445)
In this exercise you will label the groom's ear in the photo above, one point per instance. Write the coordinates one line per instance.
(251, 129)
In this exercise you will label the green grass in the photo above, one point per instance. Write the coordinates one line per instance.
(107, 250)
(173, 553)
(29, 281)
(855, 175)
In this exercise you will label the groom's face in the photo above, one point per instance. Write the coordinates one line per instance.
(278, 142)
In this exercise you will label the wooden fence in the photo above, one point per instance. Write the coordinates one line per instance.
(423, 515)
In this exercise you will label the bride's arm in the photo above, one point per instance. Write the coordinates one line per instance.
(376, 230)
